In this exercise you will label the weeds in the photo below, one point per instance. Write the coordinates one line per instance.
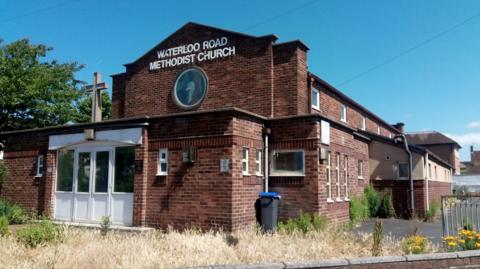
(432, 213)
(40, 234)
(304, 223)
(377, 238)
(105, 225)
(13, 212)
(415, 244)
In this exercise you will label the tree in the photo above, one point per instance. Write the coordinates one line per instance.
(35, 92)
(84, 107)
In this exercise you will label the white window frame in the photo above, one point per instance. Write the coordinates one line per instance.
(287, 174)
(317, 99)
(245, 161)
(258, 162)
(378, 130)
(398, 170)
(345, 175)
(337, 176)
(40, 165)
(363, 123)
(162, 160)
(329, 177)
(360, 169)
(343, 112)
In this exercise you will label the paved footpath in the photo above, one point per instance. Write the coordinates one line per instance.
(400, 228)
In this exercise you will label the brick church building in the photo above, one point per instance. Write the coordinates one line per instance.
(201, 123)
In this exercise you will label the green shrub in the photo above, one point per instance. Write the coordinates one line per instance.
(3, 173)
(467, 224)
(4, 230)
(319, 222)
(374, 200)
(386, 209)
(14, 213)
(40, 233)
(105, 225)
(433, 211)
(304, 223)
(358, 210)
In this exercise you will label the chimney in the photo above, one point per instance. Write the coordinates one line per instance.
(399, 126)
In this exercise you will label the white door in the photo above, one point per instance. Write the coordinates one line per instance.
(93, 191)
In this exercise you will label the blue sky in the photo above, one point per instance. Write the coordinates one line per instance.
(434, 87)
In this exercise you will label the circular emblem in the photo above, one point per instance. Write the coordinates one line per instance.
(190, 88)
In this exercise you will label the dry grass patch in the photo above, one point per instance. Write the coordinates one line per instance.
(84, 248)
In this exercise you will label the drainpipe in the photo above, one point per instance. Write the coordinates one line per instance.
(426, 180)
(410, 163)
(267, 133)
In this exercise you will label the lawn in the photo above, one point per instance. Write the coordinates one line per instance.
(86, 248)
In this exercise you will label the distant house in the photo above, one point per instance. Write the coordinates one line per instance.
(439, 144)
(473, 166)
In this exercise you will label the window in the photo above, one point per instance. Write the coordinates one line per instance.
(162, 169)
(343, 113)
(39, 166)
(345, 174)
(435, 171)
(360, 169)
(124, 169)
(65, 170)
(329, 177)
(363, 123)
(403, 170)
(258, 162)
(430, 171)
(315, 99)
(378, 129)
(288, 163)
(245, 161)
(337, 175)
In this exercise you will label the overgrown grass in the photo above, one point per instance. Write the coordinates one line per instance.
(433, 212)
(40, 233)
(304, 223)
(82, 248)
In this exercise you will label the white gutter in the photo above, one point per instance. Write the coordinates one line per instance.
(426, 180)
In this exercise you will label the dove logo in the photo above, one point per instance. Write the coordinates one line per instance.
(190, 88)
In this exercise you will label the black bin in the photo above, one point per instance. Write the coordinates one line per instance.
(269, 210)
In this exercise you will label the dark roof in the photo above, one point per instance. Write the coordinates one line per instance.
(430, 138)
(364, 110)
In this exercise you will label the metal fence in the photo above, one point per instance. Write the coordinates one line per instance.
(460, 212)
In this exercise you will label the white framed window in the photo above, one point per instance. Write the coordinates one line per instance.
(345, 174)
(435, 172)
(162, 169)
(329, 177)
(378, 130)
(39, 166)
(343, 113)
(245, 161)
(337, 175)
(430, 171)
(363, 123)
(403, 170)
(360, 169)
(288, 163)
(315, 99)
(258, 162)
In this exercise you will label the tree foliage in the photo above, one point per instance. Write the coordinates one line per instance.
(84, 108)
(36, 92)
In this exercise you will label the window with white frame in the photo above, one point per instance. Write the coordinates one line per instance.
(288, 163)
(329, 176)
(337, 175)
(345, 174)
(363, 123)
(403, 170)
(245, 161)
(39, 166)
(315, 99)
(258, 162)
(435, 171)
(162, 169)
(378, 129)
(343, 113)
(430, 171)
(360, 169)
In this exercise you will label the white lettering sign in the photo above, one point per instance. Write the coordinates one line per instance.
(193, 53)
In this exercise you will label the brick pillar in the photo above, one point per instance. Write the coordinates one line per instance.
(49, 184)
(140, 181)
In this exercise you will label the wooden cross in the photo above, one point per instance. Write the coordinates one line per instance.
(95, 90)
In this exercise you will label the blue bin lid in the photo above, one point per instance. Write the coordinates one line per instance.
(274, 195)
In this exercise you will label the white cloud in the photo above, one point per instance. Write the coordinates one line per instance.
(466, 139)
(473, 124)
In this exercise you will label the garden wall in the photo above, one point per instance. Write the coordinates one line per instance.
(457, 260)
